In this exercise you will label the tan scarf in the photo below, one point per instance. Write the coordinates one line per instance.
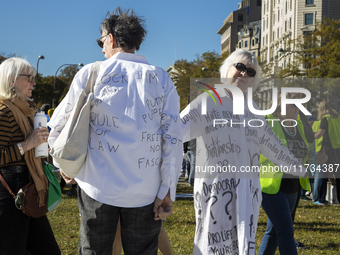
(23, 114)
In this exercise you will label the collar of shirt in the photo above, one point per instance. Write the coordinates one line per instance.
(128, 57)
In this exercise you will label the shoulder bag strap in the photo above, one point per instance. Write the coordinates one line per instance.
(6, 186)
(93, 76)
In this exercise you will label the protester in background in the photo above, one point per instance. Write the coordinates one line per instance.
(185, 163)
(50, 112)
(45, 108)
(327, 138)
(313, 118)
(19, 233)
(192, 160)
(225, 201)
(135, 143)
(279, 189)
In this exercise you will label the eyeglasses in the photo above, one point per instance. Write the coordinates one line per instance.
(100, 40)
(30, 78)
(242, 67)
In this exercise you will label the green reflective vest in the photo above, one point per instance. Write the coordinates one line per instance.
(271, 180)
(333, 132)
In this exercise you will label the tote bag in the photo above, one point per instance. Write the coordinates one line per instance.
(69, 151)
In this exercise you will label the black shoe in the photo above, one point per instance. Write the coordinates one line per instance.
(299, 245)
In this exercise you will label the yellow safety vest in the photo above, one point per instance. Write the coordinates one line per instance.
(271, 180)
(333, 132)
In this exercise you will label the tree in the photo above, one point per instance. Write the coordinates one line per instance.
(319, 54)
(205, 66)
(67, 75)
(4, 56)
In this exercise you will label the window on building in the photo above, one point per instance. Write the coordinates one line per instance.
(264, 25)
(267, 6)
(274, 2)
(240, 45)
(290, 23)
(308, 38)
(273, 35)
(263, 41)
(273, 18)
(254, 53)
(278, 15)
(264, 8)
(239, 27)
(278, 33)
(291, 4)
(286, 7)
(257, 40)
(309, 1)
(267, 22)
(259, 2)
(286, 26)
(309, 19)
(253, 42)
(266, 39)
(246, 44)
(240, 17)
(284, 64)
(246, 31)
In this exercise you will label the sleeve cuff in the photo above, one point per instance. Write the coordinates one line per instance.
(17, 152)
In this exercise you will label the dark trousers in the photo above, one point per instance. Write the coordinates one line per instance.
(99, 222)
(20, 234)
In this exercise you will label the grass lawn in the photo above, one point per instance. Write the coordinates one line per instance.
(318, 227)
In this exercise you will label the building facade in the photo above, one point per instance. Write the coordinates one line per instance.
(249, 38)
(249, 11)
(284, 22)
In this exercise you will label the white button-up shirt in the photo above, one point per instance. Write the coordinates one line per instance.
(135, 142)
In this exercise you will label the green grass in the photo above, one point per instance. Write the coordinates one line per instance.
(318, 227)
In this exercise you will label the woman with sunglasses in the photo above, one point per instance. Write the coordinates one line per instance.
(21, 234)
(280, 190)
(227, 192)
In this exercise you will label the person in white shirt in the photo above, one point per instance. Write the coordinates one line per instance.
(135, 144)
(227, 192)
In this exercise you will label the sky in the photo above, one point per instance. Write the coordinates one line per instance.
(65, 32)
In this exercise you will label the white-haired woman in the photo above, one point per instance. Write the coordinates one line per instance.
(21, 234)
(227, 188)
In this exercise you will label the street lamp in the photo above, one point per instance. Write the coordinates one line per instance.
(40, 57)
(80, 64)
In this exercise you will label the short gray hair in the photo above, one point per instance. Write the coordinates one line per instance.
(9, 72)
(241, 55)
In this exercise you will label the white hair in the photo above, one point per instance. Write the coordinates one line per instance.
(9, 72)
(244, 56)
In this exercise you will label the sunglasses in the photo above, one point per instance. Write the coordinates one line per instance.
(100, 40)
(242, 67)
(30, 78)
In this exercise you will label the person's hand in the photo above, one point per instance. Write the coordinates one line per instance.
(37, 137)
(162, 207)
(321, 157)
(67, 179)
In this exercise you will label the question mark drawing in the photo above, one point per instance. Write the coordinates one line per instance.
(226, 206)
(198, 203)
(212, 216)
